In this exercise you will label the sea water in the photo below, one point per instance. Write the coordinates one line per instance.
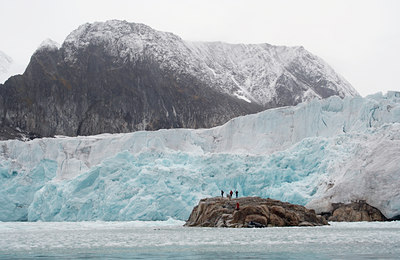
(170, 240)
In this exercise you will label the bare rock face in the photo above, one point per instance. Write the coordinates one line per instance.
(252, 212)
(355, 211)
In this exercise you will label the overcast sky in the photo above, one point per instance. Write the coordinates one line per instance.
(360, 39)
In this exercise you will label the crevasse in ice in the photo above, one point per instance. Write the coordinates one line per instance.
(323, 151)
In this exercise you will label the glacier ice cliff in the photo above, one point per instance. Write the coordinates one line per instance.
(323, 151)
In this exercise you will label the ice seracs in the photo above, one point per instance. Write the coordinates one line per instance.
(316, 153)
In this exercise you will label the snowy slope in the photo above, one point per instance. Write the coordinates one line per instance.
(48, 44)
(260, 73)
(5, 65)
(324, 151)
(8, 67)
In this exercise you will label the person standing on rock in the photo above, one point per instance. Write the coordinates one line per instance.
(231, 193)
(222, 193)
(236, 192)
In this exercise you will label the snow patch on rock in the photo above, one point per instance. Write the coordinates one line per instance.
(48, 44)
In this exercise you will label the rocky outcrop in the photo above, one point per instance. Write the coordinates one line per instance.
(117, 77)
(252, 212)
(7, 133)
(354, 211)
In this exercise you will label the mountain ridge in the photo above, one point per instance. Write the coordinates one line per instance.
(208, 59)
(115, 76)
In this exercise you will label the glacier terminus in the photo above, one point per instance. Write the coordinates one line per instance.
(316, 153)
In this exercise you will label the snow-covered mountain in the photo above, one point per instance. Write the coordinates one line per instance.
(115, 76)
(8, 67)
(5, 66)
(5, 62)
(322, 151)
(261, 73)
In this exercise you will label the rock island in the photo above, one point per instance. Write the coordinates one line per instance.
(251, 212)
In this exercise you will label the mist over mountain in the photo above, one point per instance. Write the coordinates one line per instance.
(6, 64)
(115, 76)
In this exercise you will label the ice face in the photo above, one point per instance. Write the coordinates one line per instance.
(153, 186)
(18, 187)
(313, 154)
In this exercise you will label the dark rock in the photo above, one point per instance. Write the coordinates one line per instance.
(97, 95)
(7, 133)
(395, 218)
(253, 212)
(253, 224)
(355, 211)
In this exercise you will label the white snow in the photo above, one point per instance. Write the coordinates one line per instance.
(333, 150)
(239, 94)
(5, 62)
(48, 44)
(8, 67)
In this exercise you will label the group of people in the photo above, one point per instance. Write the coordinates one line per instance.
(230, 194)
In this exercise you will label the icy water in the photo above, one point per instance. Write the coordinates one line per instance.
(169, 240)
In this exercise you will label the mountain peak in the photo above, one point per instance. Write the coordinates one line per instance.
(259, 73)
(5, 64)
(48, 44)
(4, 58)
(8, 67)
(120, 39)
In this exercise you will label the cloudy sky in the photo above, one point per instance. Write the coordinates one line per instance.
(360, 39)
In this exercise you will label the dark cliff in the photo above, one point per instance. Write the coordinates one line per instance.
(97, 96)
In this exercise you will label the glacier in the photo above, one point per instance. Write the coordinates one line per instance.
(313, 154)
